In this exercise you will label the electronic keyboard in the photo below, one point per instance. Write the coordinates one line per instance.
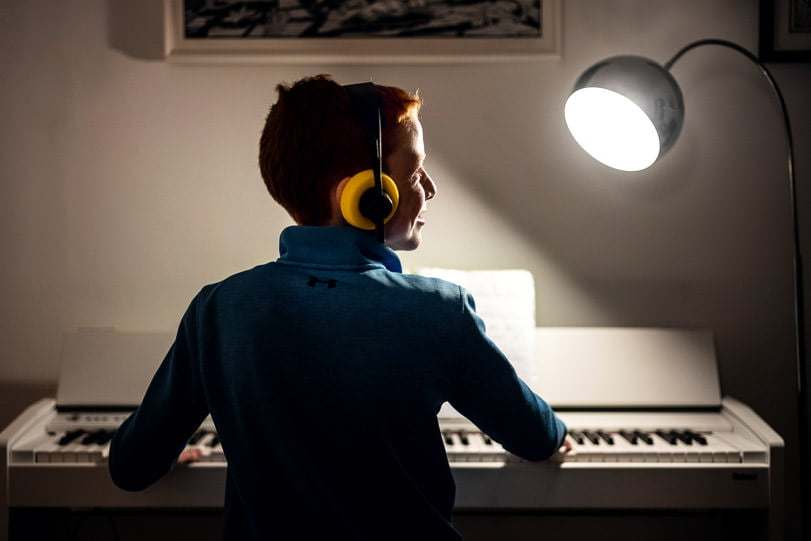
(648, 425)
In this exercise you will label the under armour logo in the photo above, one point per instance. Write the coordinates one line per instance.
(313, 281)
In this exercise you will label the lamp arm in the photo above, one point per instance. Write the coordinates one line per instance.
(799, 319)
(798, 277)
(783, 109)
(777, 93)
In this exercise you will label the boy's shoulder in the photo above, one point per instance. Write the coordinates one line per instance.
(439, 289)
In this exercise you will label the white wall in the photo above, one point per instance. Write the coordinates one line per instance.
(129, 182)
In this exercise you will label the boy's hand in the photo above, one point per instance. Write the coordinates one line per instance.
(190, 454)
(565, 449)
(567, 446)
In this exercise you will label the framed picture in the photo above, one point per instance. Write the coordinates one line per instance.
(361, 31)
(785, 30)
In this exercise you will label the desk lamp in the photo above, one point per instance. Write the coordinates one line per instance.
(628, 111)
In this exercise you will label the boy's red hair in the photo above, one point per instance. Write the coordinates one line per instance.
(311, 141)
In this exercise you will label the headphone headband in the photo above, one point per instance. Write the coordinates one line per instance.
(364, 102)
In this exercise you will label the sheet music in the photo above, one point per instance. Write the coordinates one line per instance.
(505, 300)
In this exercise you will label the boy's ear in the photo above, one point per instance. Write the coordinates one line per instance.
(336, 218)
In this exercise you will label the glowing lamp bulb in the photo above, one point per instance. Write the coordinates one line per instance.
(612, 128)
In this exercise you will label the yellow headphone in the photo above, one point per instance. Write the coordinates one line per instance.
(369, 198)
(355, 208)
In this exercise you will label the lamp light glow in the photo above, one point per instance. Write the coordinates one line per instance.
(626, 112)
(612, 128)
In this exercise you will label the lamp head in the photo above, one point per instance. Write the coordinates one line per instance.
(626, 112)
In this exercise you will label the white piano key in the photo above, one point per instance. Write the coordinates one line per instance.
(72, 452)
(469, 445)
(671, 452)
(42, 453)
(749, 451)
(588, 451)
(476, 443)
(211, 448)
(488, 450)
(653, 450)
(723, 451)
(216, 454)
(95, 452)
(664, 456)
(205, 441)
(453, 446)
(626, 451)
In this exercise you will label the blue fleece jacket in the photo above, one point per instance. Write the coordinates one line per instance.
(323, 372)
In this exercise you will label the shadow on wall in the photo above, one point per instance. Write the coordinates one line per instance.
(16, 396)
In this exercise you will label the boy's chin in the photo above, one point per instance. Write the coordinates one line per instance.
(404, 245)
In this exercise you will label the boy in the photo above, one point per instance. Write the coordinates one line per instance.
(324, 370)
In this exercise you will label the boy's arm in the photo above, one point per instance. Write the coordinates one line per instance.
(489, 393)
(149, 443)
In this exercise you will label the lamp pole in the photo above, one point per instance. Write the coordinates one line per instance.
(799, 309)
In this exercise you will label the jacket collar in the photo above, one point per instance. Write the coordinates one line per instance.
(335, 247)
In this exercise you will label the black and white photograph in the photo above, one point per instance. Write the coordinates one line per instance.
(213, 19)
(404, 30)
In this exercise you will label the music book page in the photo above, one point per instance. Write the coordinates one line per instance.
(505, 300)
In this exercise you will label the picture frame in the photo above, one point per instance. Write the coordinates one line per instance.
(785, 31)
(387, 45)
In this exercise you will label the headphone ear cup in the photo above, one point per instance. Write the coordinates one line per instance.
(353, 192)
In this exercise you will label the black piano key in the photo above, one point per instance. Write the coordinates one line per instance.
(448, 438)
(197, 436)
(592, 437)
(93, 437)
(70, 436)
(644, 437)
(463, 438)
(214, 441)
(669, 437)
(577, 437)
(606, 437)
(684, 437)
(631, 437)
(487, 440)
(106, 437)
(701, 440)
